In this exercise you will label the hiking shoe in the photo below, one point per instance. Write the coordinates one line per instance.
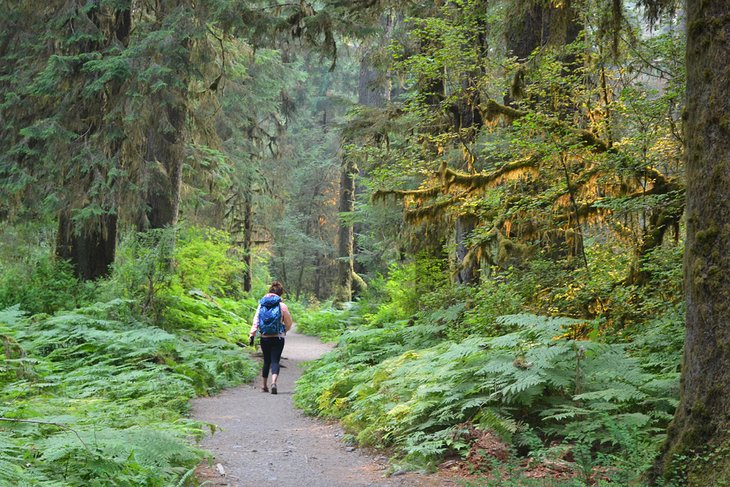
(273, 389)
(264, 389)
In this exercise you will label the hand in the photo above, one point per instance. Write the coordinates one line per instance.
(250, 341)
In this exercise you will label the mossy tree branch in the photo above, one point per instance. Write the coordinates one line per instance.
(492, 110)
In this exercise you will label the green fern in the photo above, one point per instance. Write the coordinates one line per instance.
(11, 315)
(108, 398)
(534, 376)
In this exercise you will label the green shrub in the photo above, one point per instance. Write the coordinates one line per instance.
(205, 260)
(43, 285)
(326, 323)
(208, 317)
(535, 376)
(410, 287)
(143, 270)
(105, 395)
(159, 268)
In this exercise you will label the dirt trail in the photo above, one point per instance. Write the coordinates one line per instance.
(287, 449)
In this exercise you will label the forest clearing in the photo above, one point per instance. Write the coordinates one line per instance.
(501, 228)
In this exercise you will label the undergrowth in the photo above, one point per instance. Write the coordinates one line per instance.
(101, 397)
(422, 380)
(99, 394)
(326, 322)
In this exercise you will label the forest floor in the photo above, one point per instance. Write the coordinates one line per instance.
(261, 439)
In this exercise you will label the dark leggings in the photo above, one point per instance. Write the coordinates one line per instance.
(272, 348)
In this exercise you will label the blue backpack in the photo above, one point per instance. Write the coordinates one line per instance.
(270, 316)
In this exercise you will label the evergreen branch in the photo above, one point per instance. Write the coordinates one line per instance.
(472, 182)
(221, 76)
(492, 109)
(594, 207)
(450, 177)
(428, 212)
(382, 194)
(651, 65)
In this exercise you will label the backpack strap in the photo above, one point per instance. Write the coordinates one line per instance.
(270, 301)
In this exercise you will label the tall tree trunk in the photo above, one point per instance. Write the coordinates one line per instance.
(247, 240)
(530, 26)
(164, 161)
(90, 245)
(300, 279)
(91, 248)
(702, 421)
(165, 134)
(468, 272)
(318, 277)
(373, 91)
(346, 235)
(536, 24)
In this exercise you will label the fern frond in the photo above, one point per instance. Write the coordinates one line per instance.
(12, 315)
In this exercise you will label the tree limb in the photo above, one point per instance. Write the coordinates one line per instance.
(492, 109)
(472, 182)
(429, 212)
(382, 194)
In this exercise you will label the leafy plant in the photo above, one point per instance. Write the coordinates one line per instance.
(535, 375)
(105, 396)
(327, 323)
(45, 285)
(205, 260)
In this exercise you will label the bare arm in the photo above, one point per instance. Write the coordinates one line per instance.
(286, 317)
(255, 325)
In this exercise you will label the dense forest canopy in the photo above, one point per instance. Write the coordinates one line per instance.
(487, 202)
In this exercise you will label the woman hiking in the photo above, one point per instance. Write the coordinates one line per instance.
(272, 320)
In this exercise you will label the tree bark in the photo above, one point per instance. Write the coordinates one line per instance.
(346, 236)
(164, 160)
(536, 24)
(91, 248)
(702, 421)
(468, 272)
(373, 91)
(247, 240)
(165, 134)
(90, 245)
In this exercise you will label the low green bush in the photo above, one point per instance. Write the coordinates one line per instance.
(96, 397)
(42, 285)
(535, 380)
(205, 260)
(326, 323)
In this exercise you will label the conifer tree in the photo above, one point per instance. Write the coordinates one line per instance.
(700, 426)
(63, 116)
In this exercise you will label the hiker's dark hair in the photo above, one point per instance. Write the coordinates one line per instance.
(276, 288)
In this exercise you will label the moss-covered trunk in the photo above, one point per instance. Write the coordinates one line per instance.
(90, 249)
(166, 130)
(530, 25)
(373, 91)
(346, 236)
(702, 420)
(89, 243)
(248, 240)
(164, 164)
(468, 268)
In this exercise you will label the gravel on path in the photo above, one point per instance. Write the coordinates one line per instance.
(262, 440)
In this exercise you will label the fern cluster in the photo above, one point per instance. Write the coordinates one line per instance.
(326, 322)
(98, 396)
(534, 384)
(41, 285)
